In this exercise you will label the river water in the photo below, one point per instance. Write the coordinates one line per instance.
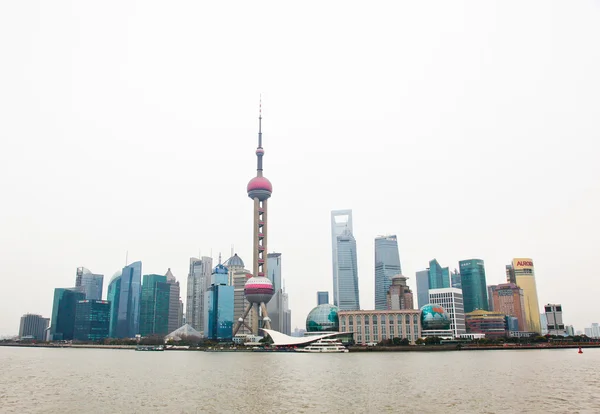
(42, 380)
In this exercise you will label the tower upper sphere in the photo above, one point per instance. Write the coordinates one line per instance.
(260, 187)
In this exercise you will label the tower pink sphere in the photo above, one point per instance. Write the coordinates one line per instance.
(259, 187)
(258, 289)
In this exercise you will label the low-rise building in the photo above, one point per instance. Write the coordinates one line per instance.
(371, 326)
(492, 324)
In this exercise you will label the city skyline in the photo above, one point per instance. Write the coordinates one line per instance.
(107, 149)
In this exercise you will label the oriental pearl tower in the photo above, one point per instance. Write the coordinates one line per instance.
(258, 290)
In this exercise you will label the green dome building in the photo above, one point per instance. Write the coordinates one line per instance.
(323, 318)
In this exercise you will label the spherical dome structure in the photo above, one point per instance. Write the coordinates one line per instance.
(234, 261)
(434, 318)
(323, 318)
(258, 289)
(260, 151)
(259, 187)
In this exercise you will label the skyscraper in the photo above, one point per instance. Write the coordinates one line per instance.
(508, 299)
(347, 272)
(341, 222)
(92, 320)
(278, 305)
(554, 319)
(154, 308)
(399, 295)
(521, 273)
(174, 299)
(130, 293)
(422, 277)
(197, 283)
(472, 273)
(322, 298)
(33, 327)
(238, 276)
(258, 290)
(387, 265)
(89, 283)
(114, 297)
(62, 325)
(451, 299)
(455, 281)
(218, 323)
(439, 277)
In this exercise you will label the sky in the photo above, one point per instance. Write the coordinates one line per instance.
(468, 129)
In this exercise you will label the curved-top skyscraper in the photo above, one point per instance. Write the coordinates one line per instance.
(258, 289)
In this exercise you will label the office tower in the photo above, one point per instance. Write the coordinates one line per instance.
(33, 327)
(507, 298)
(455, 281)
(472, 274)
(387, 265)
(278, 305)
(422, 277)
(154, 308)
(197, 283)
(554, 319)
(348, 296)
(89, 283)
(451, 299)
(521, 273)
(341, 223)
(399, 295)
(322, 298)
(113, 296)
(62, 324)
(128, 306)
(174, 301)
(218, 323)
(570, 330)
(543, 324)
(490, 297)
(258, 290)
(439, 277)
(238, 276)
(92, 320)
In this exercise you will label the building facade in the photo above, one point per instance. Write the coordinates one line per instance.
(175, 316)
(154, 308)
(492, 324)
(347, 273)
(422, 278)
(439, 277)
(89, 283)
(451, 299)
(399, 295)
(322, 298)
(278, 306)
(218, 324)
(341, 223)
(113, 296)
(33, 327)
(130, 295)
(554, 319)
(197, 284)
(507, 298)
(387, 265)
(374, 326)
(238, 276)
(521, 272)
(62, 325)
(92, 320)
(474, 287)
(455, 280)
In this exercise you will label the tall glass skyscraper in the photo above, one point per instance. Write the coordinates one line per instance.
(218, 323)
(130, 293)
(175, 315)
(322, 298)
(92, 320)
(439, 277)
(198, 283)
(277, 307)
(387, 265)
(89, 283)
(472, 273)
(154, 306)
(113, 296)
(62, 326)
(422, 278)
(347, 273)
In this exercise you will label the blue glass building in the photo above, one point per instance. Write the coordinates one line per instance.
(218, 318)
(92, 320)
(347, 273)
(472, 275)
(422, 278)
(113, 296)
(126, 309)
(154, 307)
(387, 265)
(439, 277)
(322, 298)
(62, 326)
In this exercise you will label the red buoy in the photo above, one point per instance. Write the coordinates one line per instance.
(580, 351)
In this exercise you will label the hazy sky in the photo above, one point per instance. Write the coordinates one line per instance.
(468, 129)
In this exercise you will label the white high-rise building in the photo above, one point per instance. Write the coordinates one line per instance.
(451, 299)
(554, 319)
(197, 285)
(344, 261)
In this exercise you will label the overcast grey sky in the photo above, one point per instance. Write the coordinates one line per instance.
(469, 129)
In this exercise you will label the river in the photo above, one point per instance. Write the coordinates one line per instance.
(45, 380)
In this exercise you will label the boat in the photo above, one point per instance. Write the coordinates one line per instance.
(324, 345)
(150, 348)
